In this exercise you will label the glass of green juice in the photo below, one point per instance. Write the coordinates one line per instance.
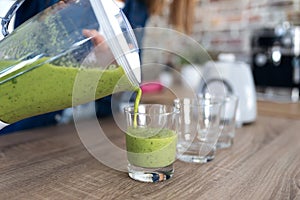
(151, 139)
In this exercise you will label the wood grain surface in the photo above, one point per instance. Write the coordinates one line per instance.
(52, 163)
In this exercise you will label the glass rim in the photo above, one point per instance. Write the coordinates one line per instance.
(169, 111)
(219, 97)
(198, 102)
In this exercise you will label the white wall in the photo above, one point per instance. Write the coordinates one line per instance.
(4, 7)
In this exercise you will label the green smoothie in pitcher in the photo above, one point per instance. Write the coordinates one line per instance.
(45, 87)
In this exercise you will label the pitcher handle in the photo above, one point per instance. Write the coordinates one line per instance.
(7, 18)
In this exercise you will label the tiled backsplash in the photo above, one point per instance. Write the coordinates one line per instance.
(227, 25)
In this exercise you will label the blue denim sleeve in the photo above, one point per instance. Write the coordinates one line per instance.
(136, 12)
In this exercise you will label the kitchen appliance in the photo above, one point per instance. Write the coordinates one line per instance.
(228, 76)
(64, 23)
(55, 36)
(275, 57)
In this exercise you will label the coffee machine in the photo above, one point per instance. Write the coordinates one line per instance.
(275, 57)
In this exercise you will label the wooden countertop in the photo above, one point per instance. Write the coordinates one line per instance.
(52, 163)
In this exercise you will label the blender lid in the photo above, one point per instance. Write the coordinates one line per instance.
(119, 36)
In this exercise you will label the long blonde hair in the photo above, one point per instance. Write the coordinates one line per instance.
(181, 12)
(182, 15)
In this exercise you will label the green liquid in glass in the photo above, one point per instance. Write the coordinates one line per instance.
(151, 148)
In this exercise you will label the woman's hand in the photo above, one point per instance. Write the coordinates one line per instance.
(96, 37)
(101, 51)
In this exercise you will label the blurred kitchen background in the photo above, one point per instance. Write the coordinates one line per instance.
(262, 33)
(265, 34)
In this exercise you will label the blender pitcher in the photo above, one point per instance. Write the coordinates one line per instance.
(40, 60)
